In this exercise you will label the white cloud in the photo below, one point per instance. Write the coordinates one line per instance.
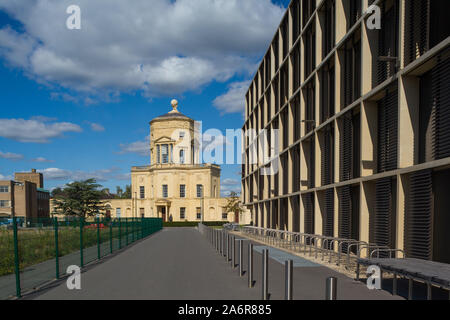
(156, 47)
(2, 177)
(230, 182)
(141, 148)
(42, 160)
(225, 191)
(11, 156)
(97, 127)
(77, 175)
(34, 130)
(234, 99)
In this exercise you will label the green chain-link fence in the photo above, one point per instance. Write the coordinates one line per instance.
(36, 251)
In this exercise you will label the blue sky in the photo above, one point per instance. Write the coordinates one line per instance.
(77, 103)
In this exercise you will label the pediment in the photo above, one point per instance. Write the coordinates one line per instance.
(164, 139)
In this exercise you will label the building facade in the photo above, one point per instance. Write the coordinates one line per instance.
(363, 122)
(24, 196)
(175, 187)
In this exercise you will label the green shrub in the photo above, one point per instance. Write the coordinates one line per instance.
(192, 224)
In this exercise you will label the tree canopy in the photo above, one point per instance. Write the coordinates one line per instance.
(234, 203)
(80, 198)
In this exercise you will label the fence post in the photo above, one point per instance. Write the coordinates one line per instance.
(55, 225)
(81, 243)
(132, 230)
(98, 238)
(126, 230)
(110, 236)
(120, 234)
(16, 258)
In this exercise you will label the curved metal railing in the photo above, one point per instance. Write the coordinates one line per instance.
(315, 245)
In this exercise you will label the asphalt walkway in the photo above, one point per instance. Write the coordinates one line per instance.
(180, 264)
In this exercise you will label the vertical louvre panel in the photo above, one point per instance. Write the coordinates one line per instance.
(352, 70)
(416, 29)
(328, 223)
(346, 153)
(419, 222)
(310, 106)
(355, 12)
(384, 214)
(327, 156)
(388, 132)
(388, 42)
(312, 166)
(441, 106)
(345, 214)
(308, 206)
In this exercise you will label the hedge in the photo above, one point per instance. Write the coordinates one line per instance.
(193, 224)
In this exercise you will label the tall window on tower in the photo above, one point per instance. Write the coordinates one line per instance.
(165, 191)
(165, 153)
(182, 157)
(142, 192)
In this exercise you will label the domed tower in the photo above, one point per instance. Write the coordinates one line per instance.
(172, 139)
(176, 186)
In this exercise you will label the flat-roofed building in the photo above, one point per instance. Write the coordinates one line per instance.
(363, 117)
(23, 198)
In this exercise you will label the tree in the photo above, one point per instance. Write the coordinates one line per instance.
(80, 198)
(119, 192)
(57, 192)
(234, 204)
(127, 193)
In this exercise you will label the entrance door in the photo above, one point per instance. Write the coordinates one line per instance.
(236, 217)
(163, 213)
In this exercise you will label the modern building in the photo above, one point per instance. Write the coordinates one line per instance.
(24, 196)
(363, 117)
(175, 186)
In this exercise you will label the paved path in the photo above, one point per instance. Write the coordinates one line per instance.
(174, 264)
(180, 264)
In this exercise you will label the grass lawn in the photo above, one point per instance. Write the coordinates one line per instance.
(38, 245)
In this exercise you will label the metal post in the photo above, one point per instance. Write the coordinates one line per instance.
(394, 285)
(110, 237)
(228, 247)
(216, 237)
(221, 242)
(241, 258)
(357, 271)
(410, 289)
(120, 233)
(265, 275)
(331, 289)
(250, 265)
(233, 253)
(81, 243)
(429, 291)
(55, 225)
(98, 238)
(289, 264)
(16, 258)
